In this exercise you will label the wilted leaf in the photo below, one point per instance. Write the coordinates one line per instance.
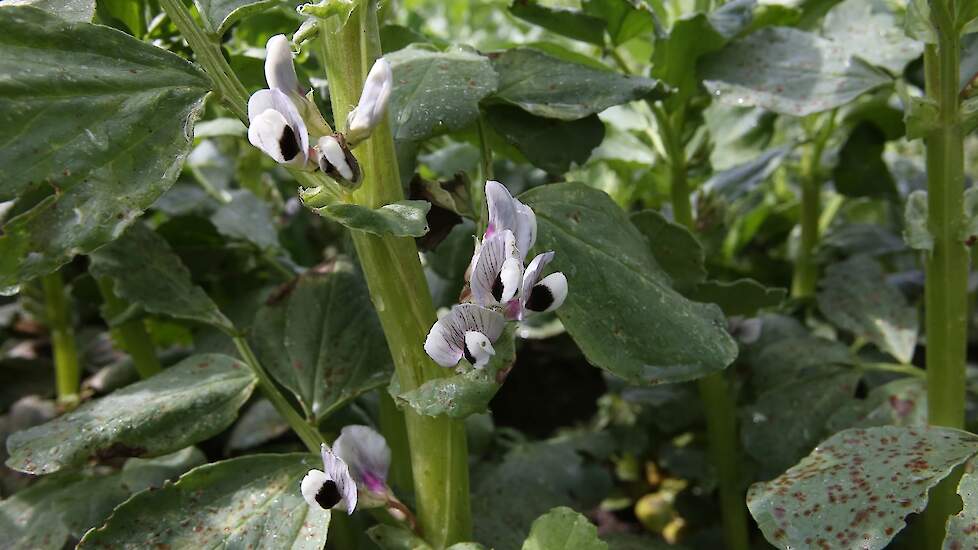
(324, 342)
(852, 295)
(551, 87)
(788, 71)
(81, 177)
(856, 488)
(401, 218)
(184, 404)
(620, 308)
(563, 528)
(148, 273)
(252, 501)
(221, 14)
(549, 144)
(437, 92)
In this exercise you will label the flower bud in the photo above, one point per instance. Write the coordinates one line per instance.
(279, 69)
(337, 162)
(372, 107)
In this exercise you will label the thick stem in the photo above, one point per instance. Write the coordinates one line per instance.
(399, 290)
(718, 403)
(58, 316)
(947, 265)
(130, 335)
(806, 269)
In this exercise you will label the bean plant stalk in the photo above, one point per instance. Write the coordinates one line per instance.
(58, 316)
(806, 269)
(947, 264)
(130, 335)
(718, 403)
(398, 288)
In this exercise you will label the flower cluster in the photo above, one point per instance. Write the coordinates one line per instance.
(283, 119)
(500, 287)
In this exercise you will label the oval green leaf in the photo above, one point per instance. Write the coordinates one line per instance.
(563, 529)
(400, 219)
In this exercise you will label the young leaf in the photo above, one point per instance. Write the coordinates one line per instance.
(563, 528)
(551, 87)
(549, 144)
(98, 125)
(437, 92)
(400, 219)
(147, 272)
(788, 71)
(853, 296)
(856, 488)
(324, 341)
(248, 502)
(653, 334)
(219, 15)
(186, 403)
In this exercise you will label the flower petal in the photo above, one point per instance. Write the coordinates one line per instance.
(372, 107)
(478, 349)
(269, 113)
(442, 345)
(446, 340)
(502, 211)
(279, 68)
(319, 490)
(548, 294)
(337, 162)
(498, 270)
(338, 472)
(366, 454)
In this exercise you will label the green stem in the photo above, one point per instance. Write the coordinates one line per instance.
(58, 316)
(130, 335)
(399, 290)
(806, 269)
(395, 432)
(909, 370)
(718, 403)
(309, 435)
(947, 265)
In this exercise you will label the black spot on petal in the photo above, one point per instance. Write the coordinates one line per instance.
(497, 287)
(468, 355)
(288, 143)
(540, 298)
(328, 495)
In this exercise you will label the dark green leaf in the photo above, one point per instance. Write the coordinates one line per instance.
(788, 71)
(551, 87)
(147, 272)
(620, 308)
(737, 181)
(853, 295)
(902, 402)
(787, 357)
(221, 14)
(247, 218)
(549, 144)
(74, 11)
(563, 529)
(624, 19)
(184, 404)
(858, 487)
(248, 502)
(674, 248)
(861, 171)
(80, 176)
(324, 341)
(570, 23)
(401, 218)
(437, 92)
(741, 297)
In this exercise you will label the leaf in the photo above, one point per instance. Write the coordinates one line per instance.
(390, 537)
(741, 297)
(468, 393)
(788, 357)
(901, 402)
(737, 133)
(915, 231)
(531, 480)
(55, 508)
(675, 249)
(219, 15)
(400, 219)
(252, 501)
(777, 434)
(323, 342)
(737, 181)
(857, 487)
(82, 177)
(437, 92)
(184, 404)
(571, 23)
(861, 170)
(73, 11)
(961, 530)
(247, 218)
(551, 145)
(788, 71)
(258, 425)
(624, 19)
(324, 9)
(651, 334)
(869, 29)
(147, 272)
(563, 529)
(853, 296)
(552, 87)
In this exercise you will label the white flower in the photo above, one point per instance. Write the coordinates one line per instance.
(369, 458)
(468, 331)
(337, 162)
(372, 107)
(331, 487)
(538, 295)
(497, 270)
(275, 127)
(745, 330)
(279, 68)
(506, 212)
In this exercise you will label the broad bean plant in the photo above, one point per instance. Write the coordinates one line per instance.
(488, 274)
